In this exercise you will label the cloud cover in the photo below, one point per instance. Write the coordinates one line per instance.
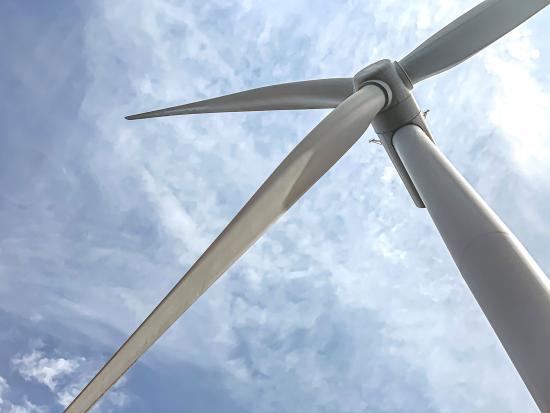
(351, 301)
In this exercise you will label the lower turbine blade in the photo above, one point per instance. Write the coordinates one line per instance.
(313, 156)
(467, 35)
(309, 94)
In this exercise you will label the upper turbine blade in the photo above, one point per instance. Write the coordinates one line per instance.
(467, 35)
(313, 156)
(309, 94)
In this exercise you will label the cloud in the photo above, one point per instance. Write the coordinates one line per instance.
(65, 378)
(116, 398)
(26, 407)
(512, 64)
(3, 389)
(35, 366)
(8, 407)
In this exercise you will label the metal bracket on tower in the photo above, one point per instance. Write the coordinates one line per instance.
(400, 110)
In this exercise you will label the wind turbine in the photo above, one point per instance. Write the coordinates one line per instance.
(511, 289)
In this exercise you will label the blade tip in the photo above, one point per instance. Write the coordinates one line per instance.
(134, 117)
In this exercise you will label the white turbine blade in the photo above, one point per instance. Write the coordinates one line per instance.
(313, 156)
(467, 35)
(309, 94)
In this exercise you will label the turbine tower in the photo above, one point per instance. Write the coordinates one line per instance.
(510, 288)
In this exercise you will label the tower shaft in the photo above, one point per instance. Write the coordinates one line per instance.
(509, 286)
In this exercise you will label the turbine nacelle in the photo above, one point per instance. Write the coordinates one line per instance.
(401, 109)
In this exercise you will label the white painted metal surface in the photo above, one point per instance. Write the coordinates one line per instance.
(313, 156)
(509, 286)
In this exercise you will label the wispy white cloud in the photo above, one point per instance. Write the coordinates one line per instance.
(521, 102)
(6, 406)
(26, 407)
(3, 389)
(35, 366)
(64, 377)
(116, 398)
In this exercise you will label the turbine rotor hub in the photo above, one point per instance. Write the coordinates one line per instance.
(389, 76)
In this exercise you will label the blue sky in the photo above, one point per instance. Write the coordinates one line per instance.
(350, 303)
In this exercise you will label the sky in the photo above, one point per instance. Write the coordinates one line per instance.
(350, 303)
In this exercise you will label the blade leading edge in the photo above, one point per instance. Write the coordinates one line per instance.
(467, 35)
(309, 94)
(309, 160)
